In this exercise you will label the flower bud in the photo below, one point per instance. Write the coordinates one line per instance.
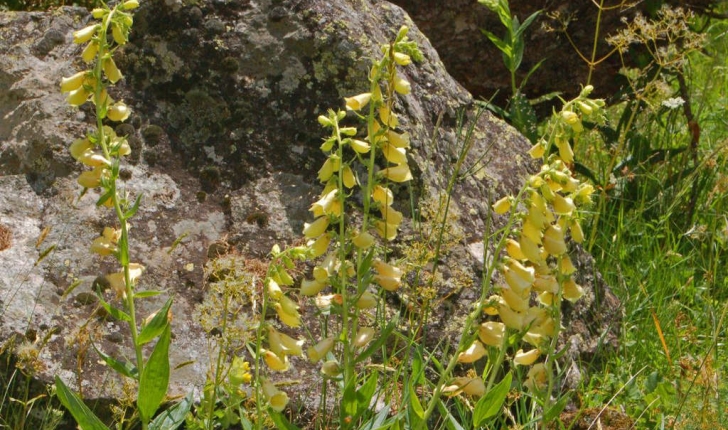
(316, 228)
(73, 82)
(553, 240)
(399, 173)
(325, 121)
(393, 154)
(118, 34)
(348, 177)
(78, 96)
(331, 368)
(402, 86)
(363, 336)
(363, 240)
(382, 195)
(398, 140)
(98, 12)
(502, 206)
(130, 4)
(366, 301)
(317, 352)
(89, 52)
(118, 112)
(111, 71)
(359, 146)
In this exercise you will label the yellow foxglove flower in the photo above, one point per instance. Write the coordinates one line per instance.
(534, 339)
(566, 153)
(331, 368)
(89, 52)
(390, 215)
(513, 249)
(553, 240)
(330, 166)
(572, 290)
(402, 86)
(291, 320)
(277, 399)
(359, 146)
(495, 301)
(118, 34)
(357, 102)
(326, 122)
(79, 147)
(512, 319)
(320, 245)
(85, 34)
(73, 82)
(118, 112)
(78, 96)
(563, 205)
(274, 290)
(515, 301)
(112, 72)
(363, 240)
(388, 117)
(520, 284)
(526, 358)
(382, 195)
(348, 177)
(98, 12)
(393, 154)
(367, 300)
(502, 206)
(537, 217)
(571, 185)
(398, 140)
(399, 173)
(93, 159)
(491, 333)
(282, 344)
(546, 298)
(90, 179)
(103, 246)
(566, 266)
(275, 362)
(323, 205)
(537, 151)
(281, 276)
(576, 232)
(317, 352)
(316, 228)
(402, 59)
(311, 287)
(348, 131)
(130, 4)
(385, 269)
(113, 234)
(530, 249)
(387, 282)
(386, 231)
(527, 273)
(546, 283)
(363, 336)
(537, 377)
(288, 305)
(325, 302)
(475, 352)
(470, 386)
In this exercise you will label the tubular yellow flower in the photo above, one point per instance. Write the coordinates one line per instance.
(93, 159)
(357, 102)
(390, 215)
(324, 302)
(118, 112)
(363, 336)
(563, 205)
(572, 290)
(399, 173)
(348, 177)
(566, 153)
(526, 358)
(78, 96)
(103, 246)
(475, 352)
(324, 205)
(90, 178)
(393, 154)
(386, 231)
(494, 302)
(546, 283)
(530, 249)
(513, 249)
(576, 232)
(274, 290)
(546, 298)
(316, 228)
(73, 82)
(275, 362)
(517, 302)
(131, 4)
(277, 399)
(402, 59)
(398, 140)
(282, 344)
(470, 386)
(367, 300)
(402, 86)
(118, 34)
(537, 150)
(79, 147)
(388, 117)
(291, 320)
(89, 52)
(311, 287)
(331, 368)
(519, 283)
(387, 282)
(317, 352)
(537, 377)
(566, 266)
(363, 240)
(502, 206)
(320, 245)
(330, 166)
(85, 34)
(359, 146)
(111, 71)
(553, 240)
(382, 195)
(512, 319)
(491, 333)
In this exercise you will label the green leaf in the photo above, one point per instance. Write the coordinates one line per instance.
(145, 294)
(377, 344)
(280, 421)
(114, 312)
(364, 395)
(104, 197)
(522, 28)
(123, 367)
(155, 377)
(451, 421)
(156, 326)
(174, 416)
(85, 418)
(133, 210)
(555, 409)
(500, 44)
(490, 405)
(377, 422)
(416, 413)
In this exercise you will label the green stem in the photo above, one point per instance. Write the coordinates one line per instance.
(592, 63)
(218, 365)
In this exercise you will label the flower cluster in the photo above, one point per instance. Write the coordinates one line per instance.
(336, 245)
(537, 263)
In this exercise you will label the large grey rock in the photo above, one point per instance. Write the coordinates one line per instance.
(225, 98)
